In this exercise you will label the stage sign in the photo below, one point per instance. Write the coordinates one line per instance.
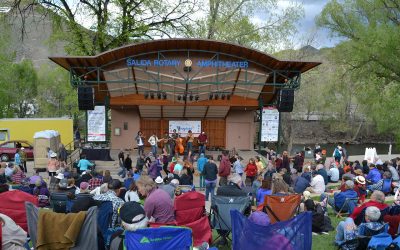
(96, 124)
(269, 124)
(182, 127)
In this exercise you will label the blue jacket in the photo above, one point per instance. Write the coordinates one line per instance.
(201, 162)
(374, 175)
(324, 174)
(301, 184)
(342, 196)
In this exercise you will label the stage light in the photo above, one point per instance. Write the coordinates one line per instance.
(146, 95)
(228, 97)
(196, 97)
(164, 95)
(211, 96)
(159, 95)
(152, 95)
(179, 97)
(216, 97)
(184, 97)
(191, 97)
(223, 96)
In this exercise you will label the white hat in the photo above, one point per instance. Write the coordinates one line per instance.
(339, 147)
(159, 180)
(52, 155)
(22, 148)
(60, 176)
(379, 162)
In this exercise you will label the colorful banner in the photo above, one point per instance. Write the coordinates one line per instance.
(182, 127)
(269, 124)
(96, 124)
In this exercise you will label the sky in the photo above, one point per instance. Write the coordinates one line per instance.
(306, 26)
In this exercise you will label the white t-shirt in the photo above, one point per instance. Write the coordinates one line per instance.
(318, 184)
(131, 196)
(153, 140)
(140, 142)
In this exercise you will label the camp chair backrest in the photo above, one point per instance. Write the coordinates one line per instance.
(365, 231)
(380, 241)
(87, 238)
(293, 234)
(281, 208)
(189, 207)
(387, 186)
(361, 217)
(176, 238)
(13, 205)
(221, 207)
(58, 201)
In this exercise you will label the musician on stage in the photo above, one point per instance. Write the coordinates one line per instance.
(202, 140)
(172, 144)
(140, 142)
(189, 142)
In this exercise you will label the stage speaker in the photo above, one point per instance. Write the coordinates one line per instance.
(85, 98)
(285, 100)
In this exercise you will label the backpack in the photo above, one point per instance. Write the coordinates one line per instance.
(337, 153)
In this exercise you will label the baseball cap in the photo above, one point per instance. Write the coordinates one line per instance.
(132, 212)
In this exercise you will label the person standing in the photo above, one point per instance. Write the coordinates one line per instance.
(77, 138)
(337, 154)
(140, 142)
(210, 175)
(128, 163)
(17, 158)
(201, 162)
(172, 143)
(166, 141)
(53, 164)
(23, 159)
(62, 155)
(251, 171)
(224, 169)
(202, 140)
(153, 140)
(285, 161)
(189, 142)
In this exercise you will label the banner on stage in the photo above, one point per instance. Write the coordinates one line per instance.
(96, 124)
(182, 127)
(269, 124)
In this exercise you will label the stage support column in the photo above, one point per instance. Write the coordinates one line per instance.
(260, 107)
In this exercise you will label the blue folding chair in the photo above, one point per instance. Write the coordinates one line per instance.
(293, 234)
(387, 186)
(166, 238)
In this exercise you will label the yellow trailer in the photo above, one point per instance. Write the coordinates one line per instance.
(24, 129)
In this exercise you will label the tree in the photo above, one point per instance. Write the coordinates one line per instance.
(370, 54)
(114, 23)
(260, 24)
(57, 97)
(19, 89)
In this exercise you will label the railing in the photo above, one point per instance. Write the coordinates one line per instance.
(74, 151)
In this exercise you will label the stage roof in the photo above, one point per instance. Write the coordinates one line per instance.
(126, 74)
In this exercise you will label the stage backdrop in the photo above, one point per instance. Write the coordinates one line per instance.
(182, 127)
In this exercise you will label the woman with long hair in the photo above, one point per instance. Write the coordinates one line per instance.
(131, 194)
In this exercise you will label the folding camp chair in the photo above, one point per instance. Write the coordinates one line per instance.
(293, 234)
(281, 208)
(58, 202)
(347, 202)
(190, 212)
(13, 205)
(177, 238)
(387, 186)
(104, 219)
(87, 238)
(220, 212)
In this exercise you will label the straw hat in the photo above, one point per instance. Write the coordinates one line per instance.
(360, 180)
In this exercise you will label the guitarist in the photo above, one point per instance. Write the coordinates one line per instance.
(202, 140)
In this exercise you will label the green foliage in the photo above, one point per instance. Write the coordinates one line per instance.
(259, 24)
(18, 85)
(370, 54)
(111, 23)
(57, 97)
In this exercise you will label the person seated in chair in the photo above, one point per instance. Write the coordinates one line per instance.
(377, 200)
(347, 229)
(339, 198)
(374, 175)
(158, 204)
(233, 188)
(379, 185)
(133, 217)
